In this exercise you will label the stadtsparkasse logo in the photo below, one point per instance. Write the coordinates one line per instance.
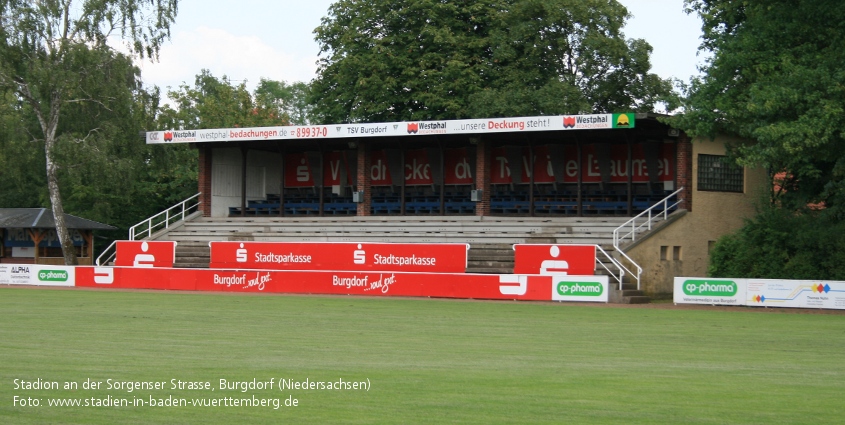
(413, 128)
(568, 122)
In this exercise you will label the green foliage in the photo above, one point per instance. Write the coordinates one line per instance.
(53, 54)
(429, 59)
(217, 103)
(776, 79)
(780, 244)
(285, 100)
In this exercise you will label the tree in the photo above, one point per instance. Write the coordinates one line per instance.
(54, 53)
(285, 100)
(217, 103)
(775, 79)
(430, 59)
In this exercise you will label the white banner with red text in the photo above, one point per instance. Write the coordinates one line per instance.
(402, 128)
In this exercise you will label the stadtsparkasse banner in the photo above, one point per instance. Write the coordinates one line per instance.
(405, 128)
(403, 257)
(145, 253)
(555, 259)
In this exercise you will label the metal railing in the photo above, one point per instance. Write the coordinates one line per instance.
(647, 217)
(616, 263)
(108, 253)
(162, 220)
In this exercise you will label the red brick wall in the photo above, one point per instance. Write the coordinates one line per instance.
(204, 180)
(482, 177)
(684, 161)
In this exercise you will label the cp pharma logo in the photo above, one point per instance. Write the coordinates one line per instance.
(52, 276)
(724, 288)
(580, 289)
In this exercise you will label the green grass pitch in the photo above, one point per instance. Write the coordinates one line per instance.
(425, 360)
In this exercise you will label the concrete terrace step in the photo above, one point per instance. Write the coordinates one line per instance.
(491, 238)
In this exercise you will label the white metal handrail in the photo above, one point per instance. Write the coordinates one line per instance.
(634, 227)
(167, 217)
(108, 254)
(616, 263)
(617, 239)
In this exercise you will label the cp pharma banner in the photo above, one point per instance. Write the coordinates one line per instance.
(37, 275)
(761, 292)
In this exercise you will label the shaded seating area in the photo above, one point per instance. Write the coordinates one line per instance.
(28, 236)
(550, 202)
(297, 204)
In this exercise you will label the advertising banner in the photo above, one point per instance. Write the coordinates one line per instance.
(590, 173)
(21, 238)
(405, 128)
(699, 290)
(145, 253)
(554, 259)
(298, 171)
(796, 293)
(405, 257)
(36, 274)
(580, 288)
(441, 285)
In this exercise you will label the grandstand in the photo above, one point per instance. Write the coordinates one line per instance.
(487, 182)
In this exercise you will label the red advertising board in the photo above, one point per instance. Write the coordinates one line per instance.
(554, 259)
(590, 173)
(333, 164)
(145, 253)
(405, 257)
(298, 171)
(441, 285)
(457, 169)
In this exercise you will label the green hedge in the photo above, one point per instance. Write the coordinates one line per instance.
(780, 244)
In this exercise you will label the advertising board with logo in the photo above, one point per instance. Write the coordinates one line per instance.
(441, 285)
(795, 293)
(145, 253)
(580, 288)
(709, 291)
(37, 275)
(406, 257)
(409, 129)
(554, 259)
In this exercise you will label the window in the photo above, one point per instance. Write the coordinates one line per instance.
(716, 173)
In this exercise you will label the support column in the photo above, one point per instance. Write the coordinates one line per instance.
(204, 180)
(363, 179)
(483, 172)
(684, 171)
(244, 152)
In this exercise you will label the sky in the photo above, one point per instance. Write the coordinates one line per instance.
(274, 39)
